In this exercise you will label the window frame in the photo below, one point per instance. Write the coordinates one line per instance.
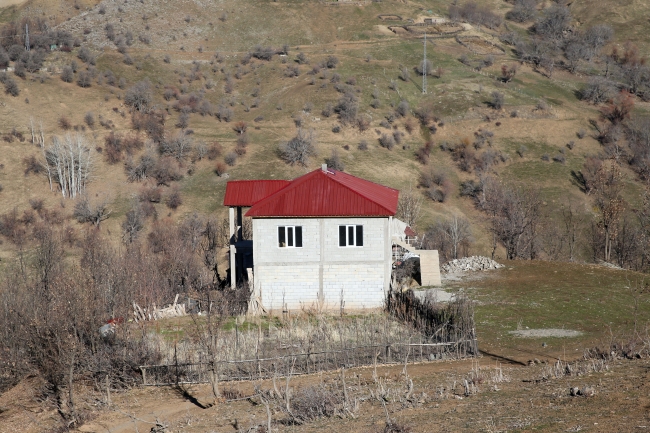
(353, 230)
(289, 231)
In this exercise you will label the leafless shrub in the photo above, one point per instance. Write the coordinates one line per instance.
(598, 90)
(230, 158)
(179, 146)
(85, 212)
(214, 151)
(363, 145)
(497, 100)
(474, 14)
(84, 79)
(174, 199)
(220, 168)
(299, 149)
(67, 75)
(166, 170)
(334, 161)
(64, 123)
(89, 119)
(522, 150)
(387, 141)
(347, 108)
(32, 165)
(139, 96)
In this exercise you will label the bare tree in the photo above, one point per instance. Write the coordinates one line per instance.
(299, 149)
(139, 96)
(70, 162)
(607, 190)
(132, 224)
(86, 212)
(409, 207)
(179, 146)
(457, 230)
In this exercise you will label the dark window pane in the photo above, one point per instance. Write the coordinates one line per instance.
(299, 236)
(289, 236)
(281, 241)
(359, 236)
(350, 236)
(342, 236)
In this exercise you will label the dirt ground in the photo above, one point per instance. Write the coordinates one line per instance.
(508, 397)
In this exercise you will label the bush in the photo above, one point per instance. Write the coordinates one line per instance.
(89, 119)
(166, 170)
(150, 194)
(497, 100)
(474, 14)
(20, 70)
(524, 10)
(262, 53)
(139, 96)
(299, 149)
(214, 151)
(387, 141)
(598, 90)
(11, 87)
(32, 165)
(347, 108)
(230, 158)
(581, 134)
(334, 161)
(328, 110)
(84, 79)
(363, 145)
(559, 158)
(174, 199)
(331, 62)
(64, 123)
(521, 151)
(86, 56)
(220, 169)
(301, 58)
(403, 108)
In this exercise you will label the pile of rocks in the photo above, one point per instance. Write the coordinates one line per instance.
(474, 263)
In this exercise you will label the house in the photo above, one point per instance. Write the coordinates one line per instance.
(322, 240)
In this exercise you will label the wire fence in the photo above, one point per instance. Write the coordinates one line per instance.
(411, 330)
(304, 363)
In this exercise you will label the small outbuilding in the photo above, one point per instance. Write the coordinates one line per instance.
(320, 241)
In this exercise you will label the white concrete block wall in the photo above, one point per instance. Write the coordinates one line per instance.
(292, 287)
(296, 276)
(361, 285)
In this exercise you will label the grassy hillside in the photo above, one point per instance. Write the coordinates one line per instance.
(200, 47)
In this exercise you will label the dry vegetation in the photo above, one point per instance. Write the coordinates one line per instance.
(121, 124)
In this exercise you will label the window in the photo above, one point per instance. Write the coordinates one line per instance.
(350, 236)
(290, 236)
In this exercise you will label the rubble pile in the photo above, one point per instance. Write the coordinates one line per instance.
(474, 263)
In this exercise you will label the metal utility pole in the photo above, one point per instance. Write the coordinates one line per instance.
(26, 37)
(424, 67)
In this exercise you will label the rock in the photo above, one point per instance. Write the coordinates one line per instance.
(575, 391)
(474, 263)
(587, 391)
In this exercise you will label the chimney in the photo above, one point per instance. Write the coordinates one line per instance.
(324, 168)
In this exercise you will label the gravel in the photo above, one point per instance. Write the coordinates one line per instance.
(474, 263)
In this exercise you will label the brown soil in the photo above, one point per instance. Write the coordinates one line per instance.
(509, 397)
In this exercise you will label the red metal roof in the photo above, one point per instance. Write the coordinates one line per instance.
(328, 193)
(246, 193)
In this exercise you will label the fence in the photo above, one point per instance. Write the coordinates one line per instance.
(411, 331)
(304, 363)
